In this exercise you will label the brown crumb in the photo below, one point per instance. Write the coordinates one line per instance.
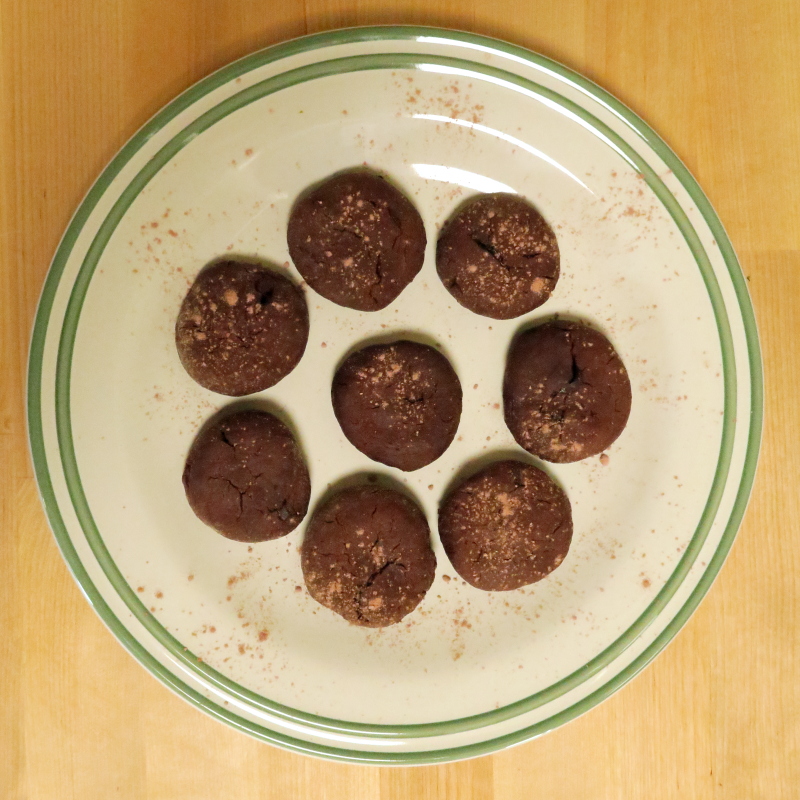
(234, 579)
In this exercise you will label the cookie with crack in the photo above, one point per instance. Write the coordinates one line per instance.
(246, 478)
(241, 328)
(398, 403)
(367, 556)
(356, 240)
(498, 257)
(506, 526)
(566, 392)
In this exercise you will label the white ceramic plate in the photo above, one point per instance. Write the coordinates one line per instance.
(112, 413)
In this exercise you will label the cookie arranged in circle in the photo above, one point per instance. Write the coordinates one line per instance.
(367, 556)
(245, 477)
(357, 240)
(241, 328)
(398, 403)
(498, 257)
(566, 392)
(506, 526)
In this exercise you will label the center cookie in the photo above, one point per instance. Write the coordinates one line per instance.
(367, 556)
(398, 403)
(357, 240)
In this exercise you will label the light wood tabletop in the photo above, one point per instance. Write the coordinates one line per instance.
(717, 715)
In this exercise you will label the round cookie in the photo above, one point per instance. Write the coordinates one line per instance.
(367, 556)
(357, 240)
(506, 526)
(246, 478)
(566, 393)
(241, 328)
(498, 257)
(398, 403)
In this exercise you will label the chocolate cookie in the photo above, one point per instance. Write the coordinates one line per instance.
(498, 257)
(398, 403)
(367, 556)
(241, 328)
(246, 478)
(566, 392)
(357, 240)
(506, 526)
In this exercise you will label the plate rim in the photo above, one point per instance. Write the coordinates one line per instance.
(36, 437)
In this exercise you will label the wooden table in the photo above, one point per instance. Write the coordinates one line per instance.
(717, 715)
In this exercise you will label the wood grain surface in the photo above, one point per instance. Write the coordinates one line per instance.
(717, 715)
